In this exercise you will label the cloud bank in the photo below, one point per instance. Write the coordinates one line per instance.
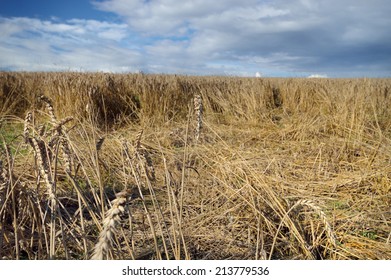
(276, 38)
(82, 45)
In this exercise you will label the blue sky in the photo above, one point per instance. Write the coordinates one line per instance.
(67, 9)
(293, 38)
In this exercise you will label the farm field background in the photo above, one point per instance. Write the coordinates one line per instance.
(136, 166)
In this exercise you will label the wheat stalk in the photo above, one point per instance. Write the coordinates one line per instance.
(59, 135)
(147, 163)
(45, 156)
(142, 154)
(61, 123)
(110, 222)
(41, 154)
(198, 109)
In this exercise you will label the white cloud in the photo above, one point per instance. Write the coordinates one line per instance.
(317, 76)
(279, 37)
(87, 45)
(104, 30)
(308, 33)
(166, 16)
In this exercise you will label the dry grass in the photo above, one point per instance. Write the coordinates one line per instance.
(216, 168)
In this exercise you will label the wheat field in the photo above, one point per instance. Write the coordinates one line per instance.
(136, 166)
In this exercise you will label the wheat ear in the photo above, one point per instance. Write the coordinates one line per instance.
(145, 156)
(60, 134)
(49, 106)
(137, 141)
(3, 182)
(322, 215)
(43, 164)
(27, 125)
(99, 143)
(111, 220)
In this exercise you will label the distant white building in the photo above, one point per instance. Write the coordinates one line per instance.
(258, 75)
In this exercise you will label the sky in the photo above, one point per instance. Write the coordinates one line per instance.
(268, 38)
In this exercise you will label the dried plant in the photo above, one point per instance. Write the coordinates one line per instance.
(198, 109)
(49, 107)
(99, 143)
(142, 153)
(137, 140)
(113, 217)
(330, 233)
(3, 183)
(27, 125)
